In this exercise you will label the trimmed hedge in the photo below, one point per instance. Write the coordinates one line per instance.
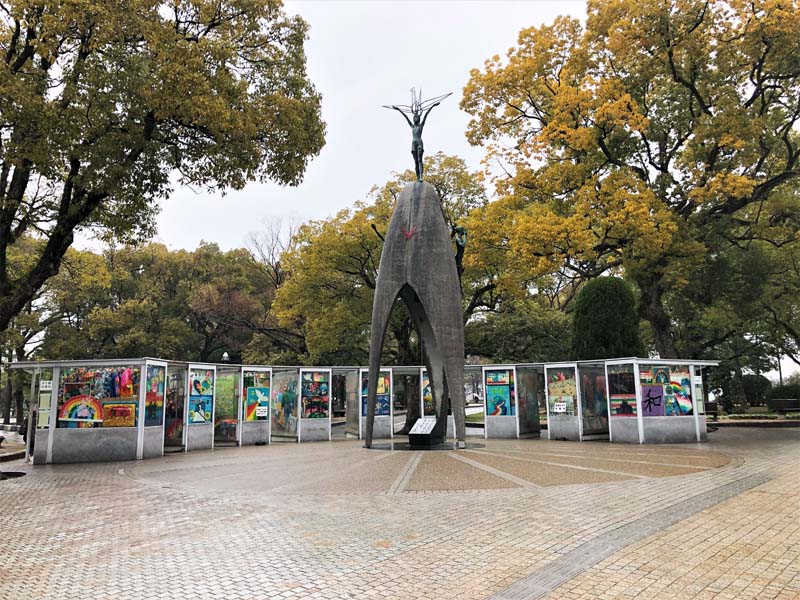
(606, 324)
(790, 390)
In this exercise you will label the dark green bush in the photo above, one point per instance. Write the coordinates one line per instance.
(790, 390)
(756, 388)
(606, 324)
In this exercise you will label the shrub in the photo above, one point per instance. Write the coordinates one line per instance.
(606, 324)
(790, 390)
(756, 388)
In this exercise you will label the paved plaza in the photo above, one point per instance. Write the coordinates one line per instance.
(504, 519)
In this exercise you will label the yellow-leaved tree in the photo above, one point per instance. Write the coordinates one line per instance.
(332, 266)
(655, 140)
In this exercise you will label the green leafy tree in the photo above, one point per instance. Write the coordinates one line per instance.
(756, 389)
(605, 322)
(102, 102)
(82, 280)
(521, 331)
(156, 302)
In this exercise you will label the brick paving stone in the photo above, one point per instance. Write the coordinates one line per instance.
(319, 521)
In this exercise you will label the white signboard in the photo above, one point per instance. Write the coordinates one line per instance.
(262, 411)
(45, 386)
(559, 407)
(424, 425)
(698, 380)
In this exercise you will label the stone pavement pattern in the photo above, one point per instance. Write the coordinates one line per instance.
(513, 519)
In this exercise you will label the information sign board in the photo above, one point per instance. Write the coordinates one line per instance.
(424, 425)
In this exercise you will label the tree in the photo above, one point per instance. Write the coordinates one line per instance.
(82, 280)
(102, 102)
(605, 323)
(149, 301)
(756, 389)
(273, 343)
(333, 264)
(327, 295)
(655, 140)
(521, 331)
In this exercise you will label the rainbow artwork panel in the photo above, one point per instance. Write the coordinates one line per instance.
(98, 397)
(666, 391)
(154, 384)
(81, 407)
(255, 393)
(680, 387)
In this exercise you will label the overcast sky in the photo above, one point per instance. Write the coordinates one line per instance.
(362, 54)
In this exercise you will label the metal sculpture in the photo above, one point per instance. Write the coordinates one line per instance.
(419, 267)
(419, 110)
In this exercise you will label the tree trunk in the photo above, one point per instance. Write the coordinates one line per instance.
(412, 405)
(19, 404)
(19, 386)
(739, 400)
(652, 310)
(7, 392)
(407, 355)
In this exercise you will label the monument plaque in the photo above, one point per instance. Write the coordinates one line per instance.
(420, 434)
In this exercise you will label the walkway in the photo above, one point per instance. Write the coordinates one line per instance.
(510, 519)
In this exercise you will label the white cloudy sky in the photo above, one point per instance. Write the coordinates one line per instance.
(362, 54)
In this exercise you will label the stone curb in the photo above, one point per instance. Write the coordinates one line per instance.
(745, 423)
(12, 456)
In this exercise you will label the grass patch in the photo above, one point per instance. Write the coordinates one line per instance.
(475, 418)
(751, 416)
